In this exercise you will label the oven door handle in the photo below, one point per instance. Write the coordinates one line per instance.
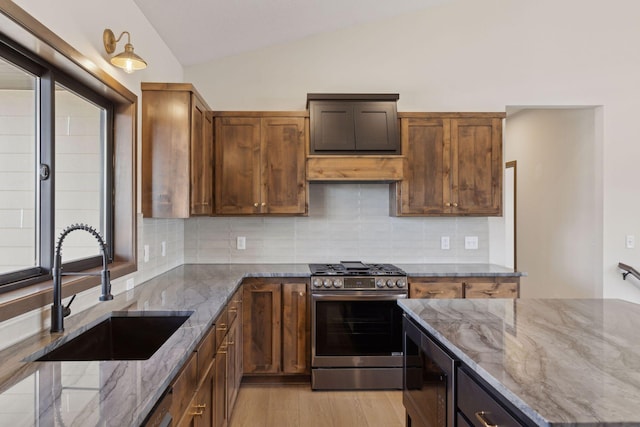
(344, 296)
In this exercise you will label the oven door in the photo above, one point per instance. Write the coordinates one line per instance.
(356, 329)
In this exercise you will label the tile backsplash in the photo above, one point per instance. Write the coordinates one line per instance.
(345, 222)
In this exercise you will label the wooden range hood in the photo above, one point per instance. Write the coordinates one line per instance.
(354, 137)
(355, 168)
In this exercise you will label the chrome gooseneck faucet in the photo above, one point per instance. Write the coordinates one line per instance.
(57, 309)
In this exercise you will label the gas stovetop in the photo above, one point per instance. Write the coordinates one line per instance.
(355, 268)
(355, 275)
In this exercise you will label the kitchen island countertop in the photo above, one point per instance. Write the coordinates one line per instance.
(561, 362)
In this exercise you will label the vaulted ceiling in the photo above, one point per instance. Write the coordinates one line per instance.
(199, 31)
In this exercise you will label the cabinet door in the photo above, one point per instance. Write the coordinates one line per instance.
(232, 349)
(166, 138)
(284, 187)
(332, 127)
(220, 387)
(237, 142)
(376, 127)
(261, 328)
(476, 166)
(295, 328)
(449, 289)
(201, 158)
(202, 407)
(425, 188)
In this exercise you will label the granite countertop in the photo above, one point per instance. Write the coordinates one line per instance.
(458, 270)
(560, 361)
(118, 393)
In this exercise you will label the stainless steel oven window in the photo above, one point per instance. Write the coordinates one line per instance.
(347, 325)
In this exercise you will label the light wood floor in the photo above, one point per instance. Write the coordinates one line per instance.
(296, 405)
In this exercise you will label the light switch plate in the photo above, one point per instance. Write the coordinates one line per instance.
(145, 253)
(471, 242)
(241, 243)
(630, 241)
(445, 243)
(163, 248)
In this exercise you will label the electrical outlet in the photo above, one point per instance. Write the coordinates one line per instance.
(444, 243)
(630, 241)
(241, 243)
(471, 242)
(130, 284)
(163, 248)
(145, 253)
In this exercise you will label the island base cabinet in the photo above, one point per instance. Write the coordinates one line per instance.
(477, 407)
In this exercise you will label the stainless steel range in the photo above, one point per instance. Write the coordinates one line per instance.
(356, 327)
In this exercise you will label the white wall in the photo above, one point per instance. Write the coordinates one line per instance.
(475, 56)
(559, 240)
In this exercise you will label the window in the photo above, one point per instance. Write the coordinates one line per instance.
(55, 169)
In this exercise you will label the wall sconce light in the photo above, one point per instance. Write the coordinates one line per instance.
(126, 60)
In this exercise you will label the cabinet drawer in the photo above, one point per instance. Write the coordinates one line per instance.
(491, 290)
(478, 406)
(222, 325)
(234, 306)
(435, 290)
(206, 350)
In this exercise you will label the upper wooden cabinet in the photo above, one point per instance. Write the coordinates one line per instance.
(353, 123)
(260, 163)
(177, 162)
(453, 165)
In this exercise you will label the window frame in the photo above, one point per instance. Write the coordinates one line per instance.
(47, 78)
(31, 38)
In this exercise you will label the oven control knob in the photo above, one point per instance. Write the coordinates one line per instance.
(401, 283)
(326, 283)
(337, 283)
(379, 283)
(390, 283)
(317, 283)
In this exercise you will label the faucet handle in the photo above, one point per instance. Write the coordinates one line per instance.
(66, 311)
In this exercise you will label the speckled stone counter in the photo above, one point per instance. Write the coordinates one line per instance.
(561, 362)
(120, 393)
(458, 270)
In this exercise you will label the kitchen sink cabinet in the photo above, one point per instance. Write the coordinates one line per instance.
(260, 163)
(192, 390)
(453, 166)
(204, 393)
(177, 152)
(276, 327)
(464, 287)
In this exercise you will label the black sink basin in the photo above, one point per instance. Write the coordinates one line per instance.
(126, 336)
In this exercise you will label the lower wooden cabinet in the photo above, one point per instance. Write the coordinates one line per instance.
(276, 327)
(204, 393)
(464, 287)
